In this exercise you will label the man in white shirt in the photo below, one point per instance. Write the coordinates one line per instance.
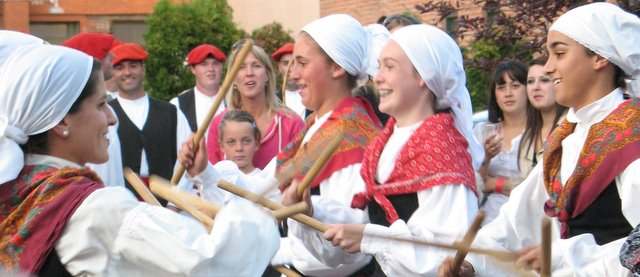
(205, 62)
(150, 131)
(588, 178)
(291, 97)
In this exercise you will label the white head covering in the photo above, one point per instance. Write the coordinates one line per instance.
(345, 41)
(10, 40)
(438, 60)
(379, 37)
(38, 87)
(608, 31)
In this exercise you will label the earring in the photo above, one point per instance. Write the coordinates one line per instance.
(65, 133)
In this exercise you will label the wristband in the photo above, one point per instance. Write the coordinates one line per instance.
(500, 181)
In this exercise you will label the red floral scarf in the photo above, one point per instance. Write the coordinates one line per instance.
(34, 210)
(436, 154)
(354, 118)
(610, 147)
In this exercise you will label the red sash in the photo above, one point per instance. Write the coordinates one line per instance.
(354, 118)
(610, 147)
(436, 154)
(34, 210)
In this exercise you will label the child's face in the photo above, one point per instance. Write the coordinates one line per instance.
(238, 143)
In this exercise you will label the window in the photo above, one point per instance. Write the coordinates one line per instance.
(129, 31)
(451, 24)
(54, 32)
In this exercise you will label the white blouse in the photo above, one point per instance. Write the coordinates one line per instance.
(113, 234)
(444, 213)
(518, 224)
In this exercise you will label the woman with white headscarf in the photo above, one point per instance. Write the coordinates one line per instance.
(56, 216)
(330, 54)
(419, 171)
(589, 179)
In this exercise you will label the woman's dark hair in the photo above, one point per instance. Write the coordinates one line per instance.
(517, 71)
(618, 75)
(533, 129)
(38, 144)
(239, 116)
(399, 20)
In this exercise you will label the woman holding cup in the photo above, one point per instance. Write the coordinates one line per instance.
(508, 103)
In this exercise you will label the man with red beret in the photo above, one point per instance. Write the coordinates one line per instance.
(205, 62)
(292, 98)
(151, 131)
(98, 45)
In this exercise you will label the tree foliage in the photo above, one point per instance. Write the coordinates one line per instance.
(271, 36)
(174, 29)
(507, 29)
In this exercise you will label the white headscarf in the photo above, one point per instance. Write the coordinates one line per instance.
(10, 40)
(438, 60)
(608, 31)
(346, 42)
(38, 86)
(379, 38)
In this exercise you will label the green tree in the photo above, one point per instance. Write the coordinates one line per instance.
(271, 36)
(174, 29)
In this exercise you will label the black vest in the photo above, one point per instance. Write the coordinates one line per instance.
(157, 138)
(52, 267)
(187, 103)
(603, 218)
(405, 205)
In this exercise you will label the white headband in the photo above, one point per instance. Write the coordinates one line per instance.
(438, 60)
(608, 31)
(39, 85)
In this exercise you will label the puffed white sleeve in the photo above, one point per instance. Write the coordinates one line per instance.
(443, 215)
(113, 234)
(332, 206)
(518, 226)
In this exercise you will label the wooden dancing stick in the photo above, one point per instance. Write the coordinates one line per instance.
(321, 227)
(467, 240)
(545, 267)
(208, 208)
(319, 163)
(222, 92)
(140, 187)
(171, 194)
(501, 255)
(284, 82)
(287, 272)
(302, 218)
(288, 211)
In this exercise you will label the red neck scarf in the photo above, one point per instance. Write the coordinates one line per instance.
(436, 154)
(610, 147)
(354, 118)
(34, 210)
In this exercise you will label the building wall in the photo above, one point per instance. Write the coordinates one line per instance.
(368, 11)
(292, 14)
(125, 18)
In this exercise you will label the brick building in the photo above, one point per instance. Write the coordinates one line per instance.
(368, 11)
(56, 20)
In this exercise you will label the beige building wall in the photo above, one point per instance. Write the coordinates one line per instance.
(292, 14)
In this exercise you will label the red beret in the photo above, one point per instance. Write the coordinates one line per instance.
(287, 48)
(202, 51)
(96, 45)
(128, 51)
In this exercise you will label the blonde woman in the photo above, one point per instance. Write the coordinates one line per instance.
(254, 91)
